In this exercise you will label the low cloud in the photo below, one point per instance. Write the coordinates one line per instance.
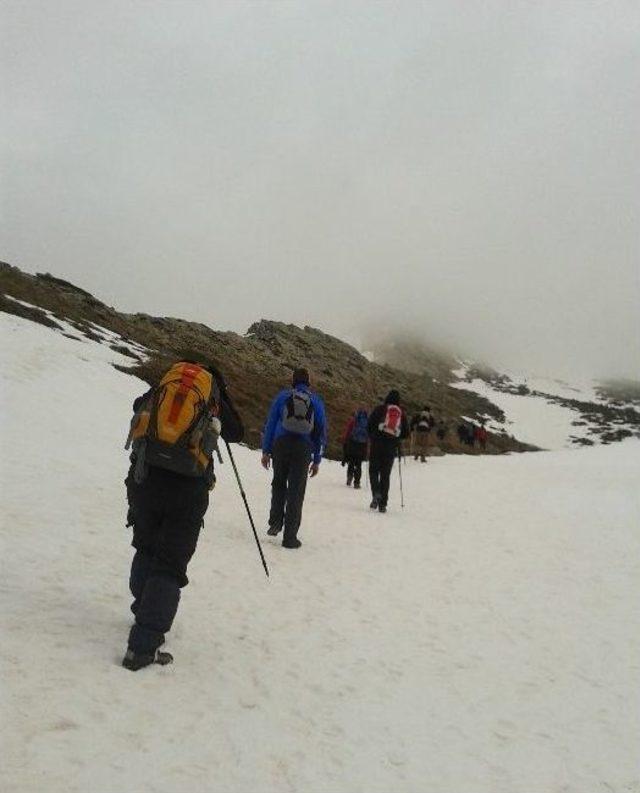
(465, 174)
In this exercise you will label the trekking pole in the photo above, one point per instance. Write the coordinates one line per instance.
(400, 475)
(246, 504)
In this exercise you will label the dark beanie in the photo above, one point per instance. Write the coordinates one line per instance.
(300, 376)
(393, 397)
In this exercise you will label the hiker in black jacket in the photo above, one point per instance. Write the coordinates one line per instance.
(166, 510)
(388, 426)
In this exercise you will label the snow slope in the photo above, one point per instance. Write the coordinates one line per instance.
(529, 418)
(533, 418)
(484, 639)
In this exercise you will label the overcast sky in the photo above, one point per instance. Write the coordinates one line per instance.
(467, 170)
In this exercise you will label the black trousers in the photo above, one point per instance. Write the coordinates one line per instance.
(380, 465)
(354, 469)
(167, 511)
(291, 458)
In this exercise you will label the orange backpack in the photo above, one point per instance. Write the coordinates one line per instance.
(175, 427)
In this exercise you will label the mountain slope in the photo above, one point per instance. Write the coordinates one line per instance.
(484, 638)
(546, 412)
(256, 365)
(552, 413)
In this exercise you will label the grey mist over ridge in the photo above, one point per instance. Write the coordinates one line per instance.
(470, 178)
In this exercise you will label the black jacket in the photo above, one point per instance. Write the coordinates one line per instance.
(381, 442)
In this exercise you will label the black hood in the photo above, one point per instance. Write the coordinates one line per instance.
(393, 397)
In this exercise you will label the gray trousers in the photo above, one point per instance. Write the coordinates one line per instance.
(291, 458)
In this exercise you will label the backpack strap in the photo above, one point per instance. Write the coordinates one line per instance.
(189, 374)
(136, 418)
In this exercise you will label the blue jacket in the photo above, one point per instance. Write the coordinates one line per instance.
(273, 429)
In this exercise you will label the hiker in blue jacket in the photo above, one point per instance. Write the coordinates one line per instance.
(355, 442)
(295, 435)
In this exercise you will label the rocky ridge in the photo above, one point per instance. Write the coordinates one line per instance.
(256, 365)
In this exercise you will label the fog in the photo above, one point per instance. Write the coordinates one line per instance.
(467, 172)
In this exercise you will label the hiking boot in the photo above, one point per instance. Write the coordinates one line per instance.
(356, 485)
(374, 503)
(382, 508)
(273, 531)
(295, 543)
(348, 481)
(135, 661)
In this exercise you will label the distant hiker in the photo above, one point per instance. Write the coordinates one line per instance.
(174, 432)
(462, 432)
(355, 441)
(481, 436)
(388, 426)
(294, 439)
(441, 431)
(471, 434)
(466, 433)
(421, 425)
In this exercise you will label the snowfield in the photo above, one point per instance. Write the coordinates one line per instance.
(485, 639)
(532, 418)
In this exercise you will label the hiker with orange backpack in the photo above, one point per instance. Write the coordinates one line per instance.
(174, 433)
(388, 426)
